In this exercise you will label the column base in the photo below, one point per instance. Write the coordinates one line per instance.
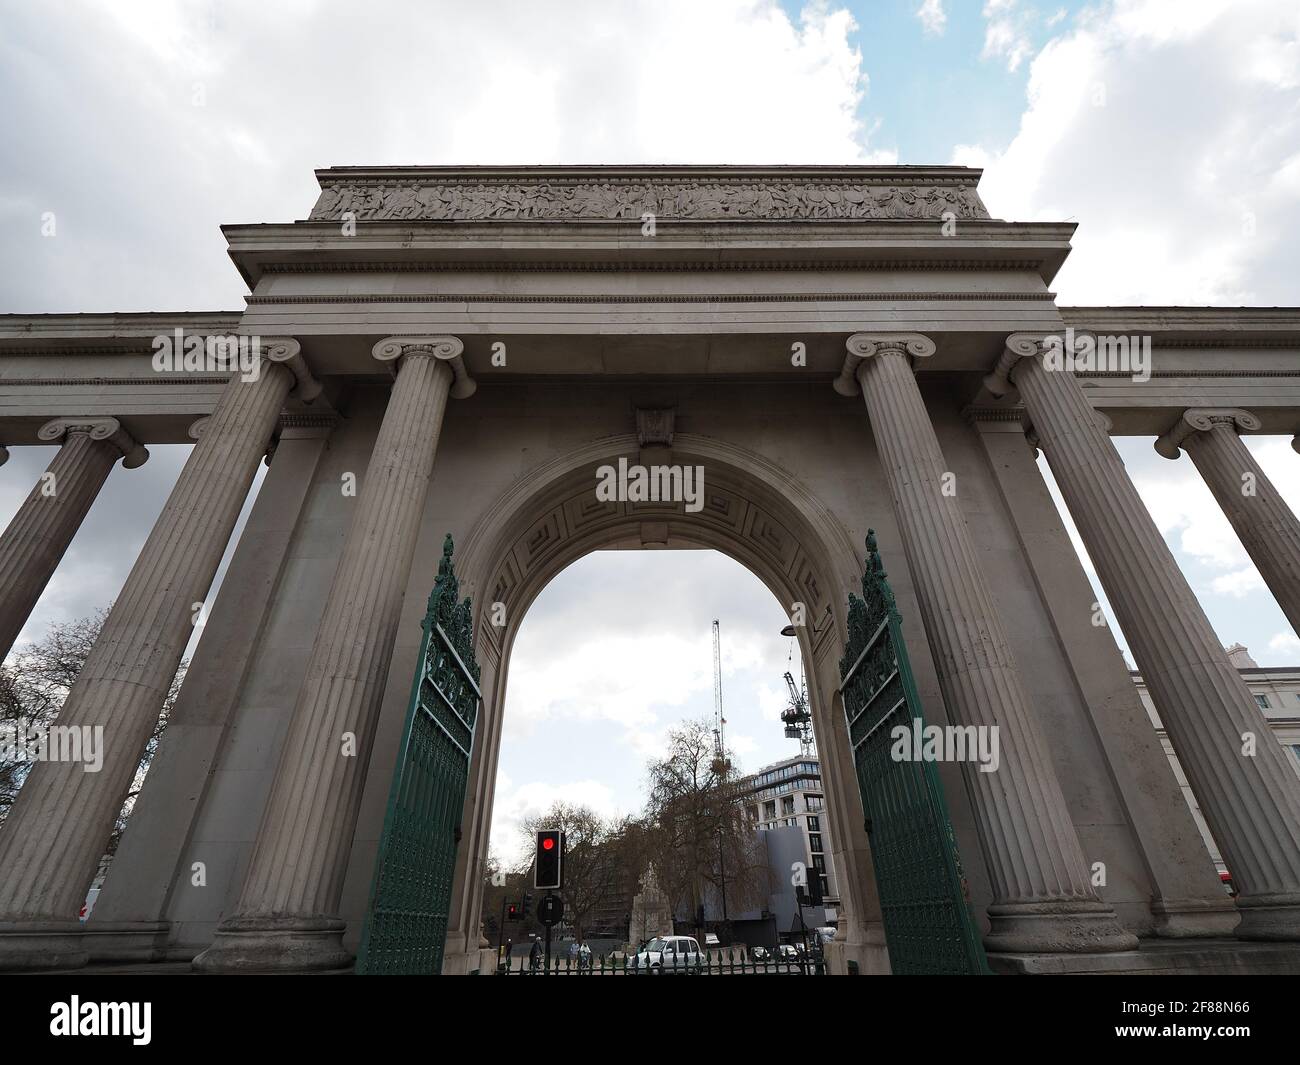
(1161, 957)
(856, 959)
(1059, 927)
(127, 941)
(34, 945)
(1194, 918)
(1274, 918)
(268, 944)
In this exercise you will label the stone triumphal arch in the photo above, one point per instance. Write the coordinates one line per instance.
(459, 351)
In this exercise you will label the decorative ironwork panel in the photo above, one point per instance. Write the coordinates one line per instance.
(410, 895)
(923, 897)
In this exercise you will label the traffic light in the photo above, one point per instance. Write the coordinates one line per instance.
(548, 870)
(527, 907)
(512, 913)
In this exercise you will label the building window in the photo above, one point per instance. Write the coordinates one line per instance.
(819, 863)
(787, 805)
(814, 824)
(1263, 702)
(753, 812)
(815, 842)
(769, 810)
(815, 802)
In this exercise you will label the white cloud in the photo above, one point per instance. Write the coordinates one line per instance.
(1168, 131)
(1285, 642)
(103, 127)
(771, 701)
(932, 16)
(1239, 583)
(624, 678)
(1006, 34)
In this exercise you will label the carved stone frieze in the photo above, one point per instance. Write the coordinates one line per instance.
(480, 201)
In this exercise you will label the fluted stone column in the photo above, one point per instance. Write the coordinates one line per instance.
(1266, 526)
(287, 916)
(59, 826)
(1249, 794)
(1043, 900)
(35, 541)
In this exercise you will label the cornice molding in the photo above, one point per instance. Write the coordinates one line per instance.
(1191, 373)
(980, 413)
(155, 379)
(600, 266)
(720, 297)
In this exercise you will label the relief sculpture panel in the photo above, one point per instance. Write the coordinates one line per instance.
(542, 200)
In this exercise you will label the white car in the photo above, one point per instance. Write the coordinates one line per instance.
(669, 954)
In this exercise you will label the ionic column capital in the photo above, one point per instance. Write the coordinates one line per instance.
(449, 349)
(862, 346)
(287, 352)
(1016, 347)
(133, 453)
(1201, 420)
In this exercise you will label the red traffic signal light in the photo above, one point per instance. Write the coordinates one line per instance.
(548, 866)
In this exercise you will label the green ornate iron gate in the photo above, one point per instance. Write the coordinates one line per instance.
(406, 923)
(923, 898)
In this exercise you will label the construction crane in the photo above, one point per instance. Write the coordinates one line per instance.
(797, 718)
(720, 764)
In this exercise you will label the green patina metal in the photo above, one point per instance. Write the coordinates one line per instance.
(410, 895)
(923, 898)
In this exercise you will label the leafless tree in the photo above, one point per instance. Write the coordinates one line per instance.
(35, 681)
(701, 838)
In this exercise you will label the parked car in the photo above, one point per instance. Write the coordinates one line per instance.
(669, 954)
(760, 954)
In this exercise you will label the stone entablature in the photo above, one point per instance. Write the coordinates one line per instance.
(586, 194)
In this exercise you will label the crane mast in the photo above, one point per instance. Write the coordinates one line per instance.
(720, 765)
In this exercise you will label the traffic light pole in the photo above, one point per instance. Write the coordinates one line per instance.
(501, 931)
(550, 913)
(803, 929)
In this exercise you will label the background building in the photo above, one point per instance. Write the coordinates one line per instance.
(789, 794)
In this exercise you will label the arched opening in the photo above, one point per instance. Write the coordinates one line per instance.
(753, 512)
(610, 731)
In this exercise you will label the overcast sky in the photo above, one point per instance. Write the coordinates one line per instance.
(1168, 129)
